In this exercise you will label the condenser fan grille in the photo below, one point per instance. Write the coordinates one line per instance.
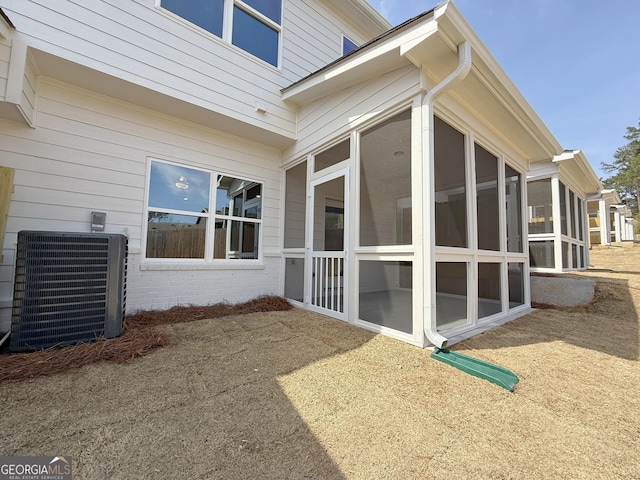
(69, 288)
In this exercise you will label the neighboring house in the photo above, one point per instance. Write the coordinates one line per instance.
(242, 154)
(610, 221)
(557, 212)
(622, 223)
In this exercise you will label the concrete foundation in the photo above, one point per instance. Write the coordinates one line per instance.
(563, 292)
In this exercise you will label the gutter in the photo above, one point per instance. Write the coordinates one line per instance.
(428, 185)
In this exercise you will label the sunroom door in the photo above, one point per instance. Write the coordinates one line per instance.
(327, 247)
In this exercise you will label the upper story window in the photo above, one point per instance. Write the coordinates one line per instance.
(179, 219)
(253, 25)
(347, 45)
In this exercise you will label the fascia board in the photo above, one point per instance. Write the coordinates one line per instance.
(576, 159)
(385, 54)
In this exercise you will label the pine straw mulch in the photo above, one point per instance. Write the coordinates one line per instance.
(141, 335)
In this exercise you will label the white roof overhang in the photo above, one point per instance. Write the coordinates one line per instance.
(576, 165)
(609, 195)
(430, 42)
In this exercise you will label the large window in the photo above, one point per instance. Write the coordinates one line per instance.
(477, 268)
(179, 215)
(385, 183)
(487, 199)
(450, 180)
(540, 206)
(513, 193)
(253, 25)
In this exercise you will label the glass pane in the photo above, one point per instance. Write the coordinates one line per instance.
(450, 186)
(294, 279)
(572, 214)
(269, 8)
(255, 37)
(487, 199)
(348, 46)
(513, 190)
(565, 255)
(333, 228)
(207, 14)
(612, 223)
(540, 205)
(489, 298)
(541, 254)
(574, 255)
(583, 260)
(233, 197)
(580, 220)
(328, 216)
(178, 188)
(563, 209)
(333, 155)
(451, 295)
(386, 294)
(175, 236)
(516, 284)
(385, 183)
(295, 206)
(236, 240)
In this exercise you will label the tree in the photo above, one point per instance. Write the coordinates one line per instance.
(625, 170)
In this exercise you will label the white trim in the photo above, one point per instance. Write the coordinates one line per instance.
(210, 216)
(310, 283)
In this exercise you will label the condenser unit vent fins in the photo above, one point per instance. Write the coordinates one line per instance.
(69, 288)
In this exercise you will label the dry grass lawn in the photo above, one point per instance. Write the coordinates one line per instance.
(297, 395)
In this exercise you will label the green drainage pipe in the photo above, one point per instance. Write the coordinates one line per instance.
(478, 368)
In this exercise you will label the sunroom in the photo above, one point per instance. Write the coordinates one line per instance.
(405, 192)
(557, 194)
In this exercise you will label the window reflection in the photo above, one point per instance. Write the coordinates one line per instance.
(179, 208)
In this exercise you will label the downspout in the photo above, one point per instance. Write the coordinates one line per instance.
(428, 185)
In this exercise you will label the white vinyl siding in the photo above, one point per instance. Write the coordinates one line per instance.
(5, 54)
(143, 44)
(146, 46)
(90, 152)
(326, 118)
(312, 38)
(28, 97)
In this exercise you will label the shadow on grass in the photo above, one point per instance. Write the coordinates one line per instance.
(608, 325)
(208, 406)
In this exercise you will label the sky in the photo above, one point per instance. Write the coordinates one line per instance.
(577, 62)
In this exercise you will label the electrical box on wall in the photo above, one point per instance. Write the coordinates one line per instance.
(98, 220)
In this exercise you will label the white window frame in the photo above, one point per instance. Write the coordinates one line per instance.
(227, 25)
(211, 219)
(470, 254)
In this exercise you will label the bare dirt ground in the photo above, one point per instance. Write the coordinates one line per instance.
(296, 395)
